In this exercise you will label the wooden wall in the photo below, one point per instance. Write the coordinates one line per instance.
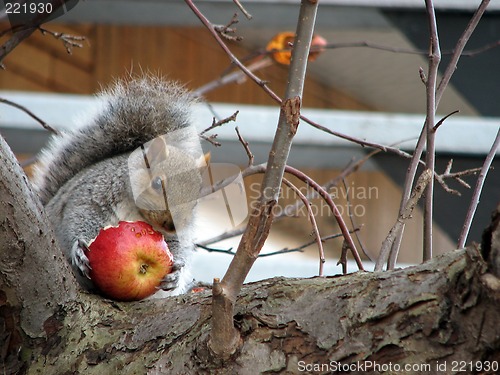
(187, 54)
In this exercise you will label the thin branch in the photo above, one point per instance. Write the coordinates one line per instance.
(343, 257)
(263, 60)
(281, 252)
(419, 189)
(224, 236)
(69, 41)
(286, 250)
(234, 77)
(215, 124)
(409, 51)
(450, 69)
(477, 192)
(333, 207)
(252, 169)
(13, 42)
(214, 250)
(430, 154)
(459, 48)
(224, 121)
(211, 139)
(31, 114)
(381, 47)
(242, 9)
(227, 31)
(457, 176)
(275, 97)
(232, 57)
(224, 338)
(246, 147)
(314, 224)
(307, 244)
(353, 221)
(24, 31)
(440, 122)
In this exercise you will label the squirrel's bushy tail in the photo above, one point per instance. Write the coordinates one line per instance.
(132, 112)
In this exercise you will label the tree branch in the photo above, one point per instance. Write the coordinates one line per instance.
(33, 272)
(314, 224)
(261, 218)
(415, 160)
(69, 41)
(430, 154)
(31, 114)
(419, 189)
(477, 192)
(26, 30)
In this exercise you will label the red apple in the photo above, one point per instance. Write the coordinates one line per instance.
(129, 261)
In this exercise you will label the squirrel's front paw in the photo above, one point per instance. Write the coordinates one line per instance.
(78, 258)
(171, 281)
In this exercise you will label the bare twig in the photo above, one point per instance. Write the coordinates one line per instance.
(224, 338)
(477, 192)
(214, 250)
(215, 124)
(262, 60)
(307, 244)
(381, 47)
(31, 114)
(227, 31)
(232, 57)
(415, 161)
(286, 250)
(343, 257)
(224, 236)
(353, 221)
(237, 76)
(224, 121)
(13, 42)
(314, 224)
(333, 207)
(252, 169)
(420, 186)
(242, 9)
(430, 154)
(283, 251)
(211, 139)
(24, 31)
(275, 97)
(459, 48)
(457, 176)
(440, 122)
(69, 41)
(246, 147)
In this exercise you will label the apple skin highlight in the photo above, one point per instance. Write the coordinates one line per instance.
(129, 261)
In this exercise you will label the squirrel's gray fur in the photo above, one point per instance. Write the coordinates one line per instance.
(83, 181)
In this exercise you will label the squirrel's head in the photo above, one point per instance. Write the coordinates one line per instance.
(166, 183)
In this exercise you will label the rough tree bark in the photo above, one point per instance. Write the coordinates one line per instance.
(442, 311)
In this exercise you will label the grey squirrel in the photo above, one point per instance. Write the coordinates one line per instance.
(91, 177)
